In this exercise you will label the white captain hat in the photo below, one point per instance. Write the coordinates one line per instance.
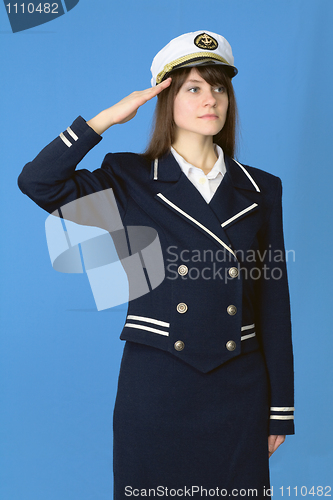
(192, 49)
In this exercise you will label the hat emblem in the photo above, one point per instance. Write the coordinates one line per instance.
(204, 41)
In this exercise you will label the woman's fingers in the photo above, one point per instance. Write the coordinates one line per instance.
(274, 442)
(161, 86)
(126, 109)
(152, 91)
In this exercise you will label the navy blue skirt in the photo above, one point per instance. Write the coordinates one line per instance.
(179, 432)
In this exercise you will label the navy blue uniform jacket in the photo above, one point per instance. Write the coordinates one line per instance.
(236, 299)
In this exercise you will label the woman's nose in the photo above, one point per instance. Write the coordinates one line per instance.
(209, 98)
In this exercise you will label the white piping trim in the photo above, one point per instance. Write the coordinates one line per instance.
(247, 327)
(148, 320)
(239, 214)
(197, 222)
(65, 140)
(155, 169)
(248, 175)
(244, 337)
(282, 417)
(72, 134)
(148, 328)
(282, 408)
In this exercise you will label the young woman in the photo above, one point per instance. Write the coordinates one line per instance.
(205, 392)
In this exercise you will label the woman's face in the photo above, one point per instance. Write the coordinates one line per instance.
(200, 108)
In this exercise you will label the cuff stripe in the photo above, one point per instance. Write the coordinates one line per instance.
(282, 417)
(72, 134)
(282, 408)
(65, 140)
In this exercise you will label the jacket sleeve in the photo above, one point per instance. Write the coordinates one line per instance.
(51, 179)
(275, 323)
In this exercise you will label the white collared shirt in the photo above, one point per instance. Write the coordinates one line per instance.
(206, 184)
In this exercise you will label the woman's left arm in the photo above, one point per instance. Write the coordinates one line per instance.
(274, 324)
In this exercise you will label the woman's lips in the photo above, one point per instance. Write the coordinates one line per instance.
(209, 117)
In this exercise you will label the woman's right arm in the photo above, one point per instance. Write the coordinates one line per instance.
(50, 179)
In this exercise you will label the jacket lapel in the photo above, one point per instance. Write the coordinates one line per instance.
(237, 204)
(236, 197)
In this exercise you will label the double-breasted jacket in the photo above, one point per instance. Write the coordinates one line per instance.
(225, 290)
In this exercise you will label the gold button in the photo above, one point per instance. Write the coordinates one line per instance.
(233, 272)
(202, 180)
(231, 310)
(179, 345)
(181, 307)
(182, 270)
(231, 345)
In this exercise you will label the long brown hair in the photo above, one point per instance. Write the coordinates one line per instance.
(164, 127)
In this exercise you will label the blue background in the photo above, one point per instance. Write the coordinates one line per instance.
(59, 356)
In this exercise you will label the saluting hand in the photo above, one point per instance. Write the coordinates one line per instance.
(125, 109)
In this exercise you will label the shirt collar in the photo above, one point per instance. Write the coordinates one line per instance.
(218, 168)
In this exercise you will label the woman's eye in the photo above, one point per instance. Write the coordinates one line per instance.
(193, 89)
(220, 89)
